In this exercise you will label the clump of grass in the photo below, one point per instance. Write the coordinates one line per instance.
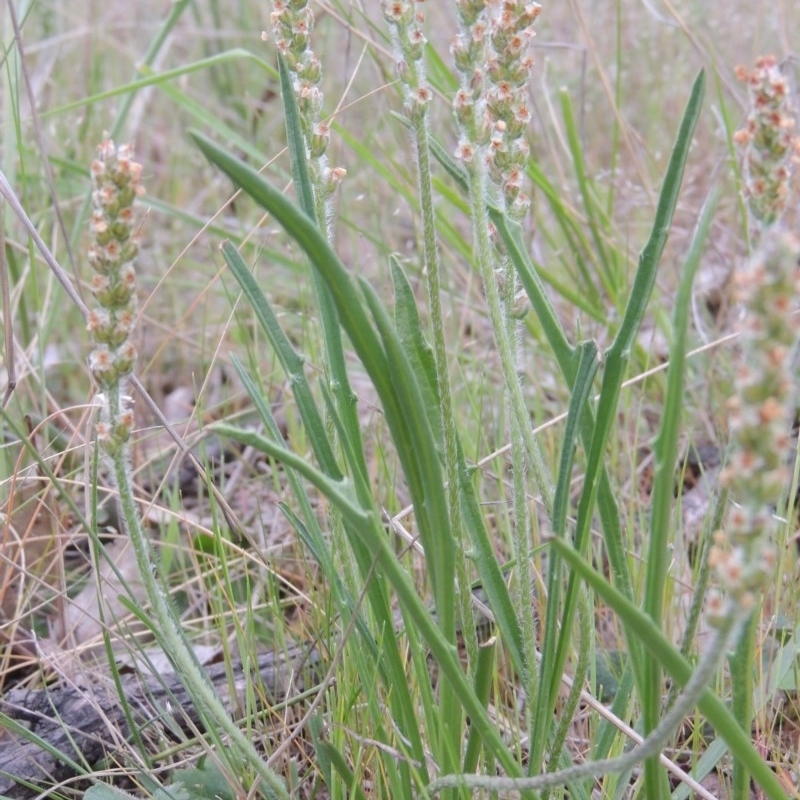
(374, 339)
(401, 712)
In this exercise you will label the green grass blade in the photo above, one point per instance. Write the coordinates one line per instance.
(308, 528)
(161, 80)
(325, 750)
(297, 146)
(438, 73)
(582, 294)
(616, 362)
(650, 256)
(492, 580)
(484, 674)
(588, 365)
(290, 360)
(565, 356)
(24, 733)
(198, 111)
(365, 524)
(591, 205)
(552, 638)
(151, 78)
(618, 353)
(666, 456)
(743, 669)
(313, 421)
(419, 352)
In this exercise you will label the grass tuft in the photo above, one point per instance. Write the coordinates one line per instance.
(432, 434)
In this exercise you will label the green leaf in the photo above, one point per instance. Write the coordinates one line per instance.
(326, 751)
(554, 634)
(588, 364)
(355, 506)
(199, 783)
(650, 256)
(297, 146)
(400, 396)
(485, 560)
(313, 204)
(418, 350)
(432, 514)
(290, 359)
(596, 219)
(666, 456)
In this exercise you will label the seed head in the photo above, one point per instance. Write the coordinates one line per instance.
(768, 140)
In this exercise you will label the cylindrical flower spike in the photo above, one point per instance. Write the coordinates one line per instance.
(768, 140)
(292, 23)
(760, 417)
(117, 184)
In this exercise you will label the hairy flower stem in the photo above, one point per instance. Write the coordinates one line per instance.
(404, 20)
(292, 23)
(769, 144)
(586, 654)
(520, 426)
(770, 149)
(521, 457)
(432, 273)
(492, 113)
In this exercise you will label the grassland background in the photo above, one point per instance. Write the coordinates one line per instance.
(626, 66)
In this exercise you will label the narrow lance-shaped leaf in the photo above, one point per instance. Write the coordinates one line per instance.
(666, 454)
(314, 207)
(551, 679)
(291, 361)
(616, 360)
